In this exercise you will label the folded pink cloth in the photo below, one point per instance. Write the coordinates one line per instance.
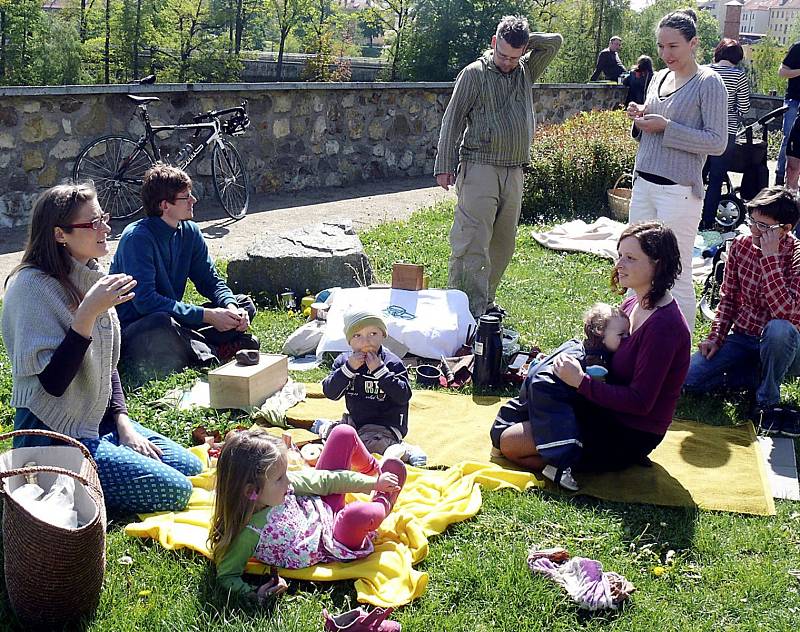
(582, 578)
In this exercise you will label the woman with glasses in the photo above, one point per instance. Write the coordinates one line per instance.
(684, 119)
(754, 341)
(63, 338)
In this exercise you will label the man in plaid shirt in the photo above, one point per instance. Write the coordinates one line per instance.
(754, 342)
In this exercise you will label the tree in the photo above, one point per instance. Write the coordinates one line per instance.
(287, 13)
(393, 16)
(766, 60)
(446, 35)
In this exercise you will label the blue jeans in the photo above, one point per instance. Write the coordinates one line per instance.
(788, 121)
(749, 362)
(717, 170)
(131, 482)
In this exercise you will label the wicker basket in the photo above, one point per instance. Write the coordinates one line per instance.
(619, 200)
(53, 574)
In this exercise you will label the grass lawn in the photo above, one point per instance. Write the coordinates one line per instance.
(728, 572)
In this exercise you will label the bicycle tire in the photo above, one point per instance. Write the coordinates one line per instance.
(730, 212)
(230, 179)
(118, 186)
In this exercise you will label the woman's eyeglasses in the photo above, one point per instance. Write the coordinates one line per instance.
(762, 227)
(96, 224)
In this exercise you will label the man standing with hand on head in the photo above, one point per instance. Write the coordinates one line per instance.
(491, 114)
(160, 331)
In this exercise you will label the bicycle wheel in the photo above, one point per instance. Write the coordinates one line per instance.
(230, 179)
(116, 165)
(730, 212)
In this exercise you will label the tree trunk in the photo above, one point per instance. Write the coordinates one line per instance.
(83, 21)
(598, 43)
(136, 36)
(239, 27)
(2, 44)
(279, 70)
(107, 48)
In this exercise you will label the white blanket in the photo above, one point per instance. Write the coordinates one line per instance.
(600, 238)
(431, 323)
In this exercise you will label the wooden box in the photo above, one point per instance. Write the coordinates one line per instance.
(407, 276)
(235, 386)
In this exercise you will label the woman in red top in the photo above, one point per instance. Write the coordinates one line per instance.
(624, 418)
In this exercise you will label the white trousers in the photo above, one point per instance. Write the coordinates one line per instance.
(680, 209)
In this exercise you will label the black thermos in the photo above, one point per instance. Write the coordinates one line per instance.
(488, 349)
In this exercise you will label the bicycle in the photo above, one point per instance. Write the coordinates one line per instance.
(116, 163)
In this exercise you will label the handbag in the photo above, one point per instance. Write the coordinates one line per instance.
(53, 574)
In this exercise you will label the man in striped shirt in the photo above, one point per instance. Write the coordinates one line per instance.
(486, 133)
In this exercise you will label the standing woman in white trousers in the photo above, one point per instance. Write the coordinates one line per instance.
(684, 119)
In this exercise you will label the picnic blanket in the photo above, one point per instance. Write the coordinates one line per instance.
(600, 238)
(430, 501)
(697, 465)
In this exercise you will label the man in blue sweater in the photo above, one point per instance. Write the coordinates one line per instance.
(160, 332)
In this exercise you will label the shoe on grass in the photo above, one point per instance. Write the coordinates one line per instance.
(566, 481)
(791, 423)
(770, 420)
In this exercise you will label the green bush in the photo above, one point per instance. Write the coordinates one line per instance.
(573, 165)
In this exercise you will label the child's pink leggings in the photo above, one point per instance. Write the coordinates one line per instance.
(352, 522)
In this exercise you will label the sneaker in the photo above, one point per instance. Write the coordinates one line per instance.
(415, 455)
(495, 453)
(566, 481)
(226, 350)
(322, 427)
(770, 420)
(791, 423)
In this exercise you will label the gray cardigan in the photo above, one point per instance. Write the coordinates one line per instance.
(36, 317)
(698, 127)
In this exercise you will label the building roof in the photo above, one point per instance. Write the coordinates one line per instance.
(759, 5)
(789, 4)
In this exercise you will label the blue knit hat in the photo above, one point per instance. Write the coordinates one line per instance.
(358, 319)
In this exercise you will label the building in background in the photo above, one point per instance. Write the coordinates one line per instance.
(783, 16)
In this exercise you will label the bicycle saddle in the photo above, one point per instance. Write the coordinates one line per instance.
(141, 100)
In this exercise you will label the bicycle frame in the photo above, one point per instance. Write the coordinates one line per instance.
(151, 135)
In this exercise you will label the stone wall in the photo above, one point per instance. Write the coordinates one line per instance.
(302, 135)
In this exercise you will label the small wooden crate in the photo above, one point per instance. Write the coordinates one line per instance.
(235, 386)
(407, 276)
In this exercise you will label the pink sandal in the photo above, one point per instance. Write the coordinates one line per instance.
(359, 620)
(398, 468)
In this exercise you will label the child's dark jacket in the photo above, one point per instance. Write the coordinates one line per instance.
(372, 398)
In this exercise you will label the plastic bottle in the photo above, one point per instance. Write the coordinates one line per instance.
(183, 154)
(488, 350)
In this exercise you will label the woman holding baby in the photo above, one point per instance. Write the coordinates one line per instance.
(623, 418)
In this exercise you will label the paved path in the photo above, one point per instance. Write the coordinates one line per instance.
(366, 204)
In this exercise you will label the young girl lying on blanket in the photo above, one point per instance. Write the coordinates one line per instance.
(545, 408)
(295, 519)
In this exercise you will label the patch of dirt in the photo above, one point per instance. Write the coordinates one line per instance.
(366, 204)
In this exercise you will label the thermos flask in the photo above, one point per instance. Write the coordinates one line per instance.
(488, 350)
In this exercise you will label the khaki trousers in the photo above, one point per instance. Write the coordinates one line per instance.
(484, 230)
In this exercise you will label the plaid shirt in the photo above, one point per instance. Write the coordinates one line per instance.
(757, 289)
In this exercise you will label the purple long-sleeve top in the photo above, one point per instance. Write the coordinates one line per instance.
(646, 372)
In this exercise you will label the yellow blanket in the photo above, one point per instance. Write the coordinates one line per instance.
(429, 502)
(697, 465)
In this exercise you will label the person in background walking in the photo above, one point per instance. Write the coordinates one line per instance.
(638, 80)
(683, 120)
(727, 55)
(790, 69)
(608, 62)
(486, 136)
